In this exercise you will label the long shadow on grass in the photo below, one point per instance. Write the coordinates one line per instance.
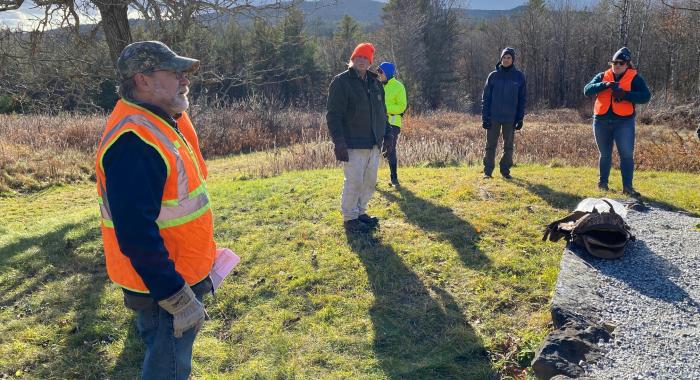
(128, 365)
(442, 220)
(419, 333)
(60, 281)
(568, 201)
(554, 198)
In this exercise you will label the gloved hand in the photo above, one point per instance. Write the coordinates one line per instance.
(618, 94)
(387, 145)
(186, 309)
(486, 124)
(341, 152)
(518, 125)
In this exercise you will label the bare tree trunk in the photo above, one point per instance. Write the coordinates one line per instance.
(624, 22)
(115, 23)
(645, 19)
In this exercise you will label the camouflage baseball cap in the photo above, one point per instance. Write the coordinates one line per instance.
(148, 56)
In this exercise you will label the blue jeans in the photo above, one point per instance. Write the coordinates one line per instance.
(621, 133)
(166, 357)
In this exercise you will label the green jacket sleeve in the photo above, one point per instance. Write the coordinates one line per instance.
(396, 100)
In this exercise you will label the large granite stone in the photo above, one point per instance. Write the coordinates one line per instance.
(576, 317)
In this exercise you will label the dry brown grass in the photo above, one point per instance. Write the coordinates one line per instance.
(559, 138)
(39, 151)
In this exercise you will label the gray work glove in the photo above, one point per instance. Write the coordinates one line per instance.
(186, 309)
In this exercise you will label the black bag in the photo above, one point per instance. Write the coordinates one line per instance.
(603, 234)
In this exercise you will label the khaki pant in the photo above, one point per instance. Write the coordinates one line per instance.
(360, 179)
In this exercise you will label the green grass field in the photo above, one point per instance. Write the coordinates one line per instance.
(455, 285)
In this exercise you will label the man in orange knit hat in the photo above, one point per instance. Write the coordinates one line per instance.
(359, 128)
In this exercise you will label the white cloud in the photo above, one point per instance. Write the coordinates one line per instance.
(27, 17)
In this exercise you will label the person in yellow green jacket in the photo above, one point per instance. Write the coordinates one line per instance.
(395, 99)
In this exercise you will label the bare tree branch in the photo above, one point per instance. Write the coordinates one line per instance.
(694, 5)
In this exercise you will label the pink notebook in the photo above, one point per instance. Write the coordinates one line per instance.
(224, 263)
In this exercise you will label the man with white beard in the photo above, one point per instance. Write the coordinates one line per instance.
(157, 224)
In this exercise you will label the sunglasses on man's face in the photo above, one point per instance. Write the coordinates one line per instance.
(619, 63)
(179, 75)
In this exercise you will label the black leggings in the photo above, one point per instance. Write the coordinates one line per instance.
(392, 157)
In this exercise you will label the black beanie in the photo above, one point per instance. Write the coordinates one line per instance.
(622, 55)
(510, 51)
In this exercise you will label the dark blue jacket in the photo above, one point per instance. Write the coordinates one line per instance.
(639, 94)
(504, 95)
(135, 177)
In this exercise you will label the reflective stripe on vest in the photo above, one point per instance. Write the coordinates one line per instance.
(393, 119)
(604, 99)
(172, 212)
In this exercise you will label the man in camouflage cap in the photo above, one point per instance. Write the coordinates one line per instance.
(157, 227)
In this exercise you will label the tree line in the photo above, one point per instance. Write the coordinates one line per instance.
(271, 53)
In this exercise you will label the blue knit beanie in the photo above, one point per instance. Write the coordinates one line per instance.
(388, 69)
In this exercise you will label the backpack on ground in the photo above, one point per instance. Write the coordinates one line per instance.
(603, 234)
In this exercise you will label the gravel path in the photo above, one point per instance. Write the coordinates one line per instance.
(652, 296)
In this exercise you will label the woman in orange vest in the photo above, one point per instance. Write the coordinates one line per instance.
(617, 90)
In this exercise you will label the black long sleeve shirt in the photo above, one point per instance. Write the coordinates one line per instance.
(135, 177)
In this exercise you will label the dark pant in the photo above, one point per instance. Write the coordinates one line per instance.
(492, 135)
(621, 134)
(167, 357)
(392, 157)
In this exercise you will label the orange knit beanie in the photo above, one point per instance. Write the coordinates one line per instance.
(364, 49)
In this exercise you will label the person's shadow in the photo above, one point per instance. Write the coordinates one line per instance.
(419, 332)
(646, 272)
(442, 220)
(59, 282)
(554, 198)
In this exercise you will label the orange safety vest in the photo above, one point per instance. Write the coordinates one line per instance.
(604, 98)
(185, 220)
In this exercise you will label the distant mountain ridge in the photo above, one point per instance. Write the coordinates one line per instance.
(368, 12)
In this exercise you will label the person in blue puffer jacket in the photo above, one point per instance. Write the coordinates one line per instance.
(503, 109)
